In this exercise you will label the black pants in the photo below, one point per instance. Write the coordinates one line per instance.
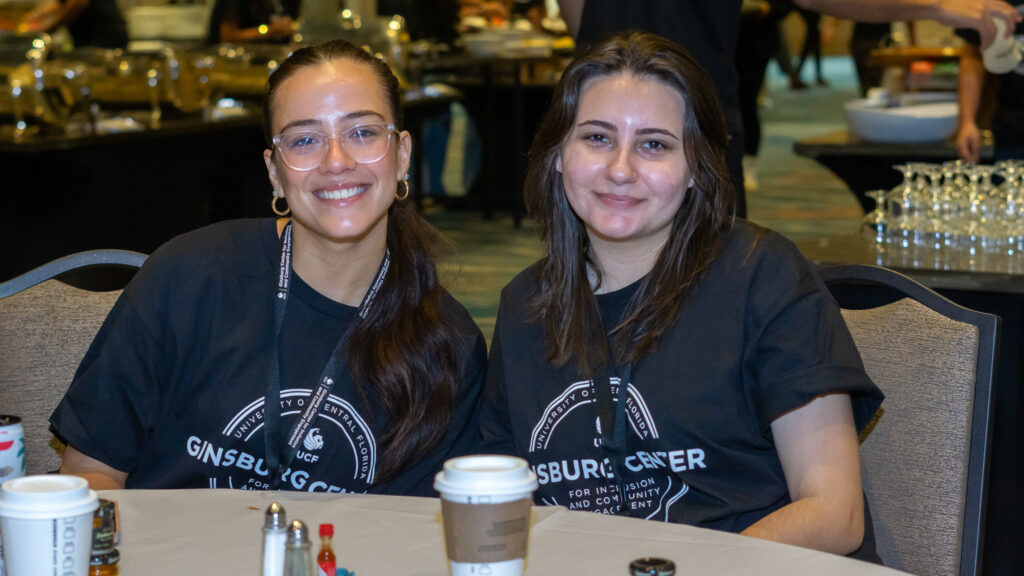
(734, 157)
(758, 43)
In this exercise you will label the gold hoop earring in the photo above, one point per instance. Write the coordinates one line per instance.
(406, 195)
(273, 206)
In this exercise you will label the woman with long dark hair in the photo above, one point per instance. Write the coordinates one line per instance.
(664, 359)
(314, 352)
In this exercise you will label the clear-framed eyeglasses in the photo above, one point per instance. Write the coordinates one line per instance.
(304, 150)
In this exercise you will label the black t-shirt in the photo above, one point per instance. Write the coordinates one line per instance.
(759, 336)
(1008, 119)
(708, 29)
(172, 389)
(99, 24)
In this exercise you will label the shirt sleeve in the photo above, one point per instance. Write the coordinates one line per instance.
(969, 35)
(800, 345)
(112, 403)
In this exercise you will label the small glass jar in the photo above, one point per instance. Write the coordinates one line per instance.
(104, 556)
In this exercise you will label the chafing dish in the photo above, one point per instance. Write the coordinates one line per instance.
(52, 92)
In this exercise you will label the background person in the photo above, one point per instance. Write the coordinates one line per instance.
(698, 353)
(812, 45)
(865, 37)
(212, 354)
(96, 23)
(759, 42)
(241, 21)
(1008, 116)
(437, 21)
(974, 14)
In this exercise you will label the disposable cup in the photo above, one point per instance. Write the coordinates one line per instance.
(46, 525)
(485, 504)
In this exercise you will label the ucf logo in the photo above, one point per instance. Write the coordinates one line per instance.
(314, 440)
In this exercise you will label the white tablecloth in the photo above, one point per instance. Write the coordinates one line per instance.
(218, 532)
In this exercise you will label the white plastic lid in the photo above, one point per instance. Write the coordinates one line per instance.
(46, 496)
(486, 474)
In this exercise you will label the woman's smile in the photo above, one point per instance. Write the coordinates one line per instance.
(349, 193)
(618, 201)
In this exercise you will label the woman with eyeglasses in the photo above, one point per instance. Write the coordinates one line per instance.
(666, 360)
(314, 352)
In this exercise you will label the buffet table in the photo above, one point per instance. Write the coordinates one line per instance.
(136, 190)
(172, 532)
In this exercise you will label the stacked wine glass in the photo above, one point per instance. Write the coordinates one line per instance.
(953, 216)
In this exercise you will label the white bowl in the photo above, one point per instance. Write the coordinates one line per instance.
(917, 119)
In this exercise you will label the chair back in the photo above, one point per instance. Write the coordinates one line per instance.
(924, 458)
(46, 327)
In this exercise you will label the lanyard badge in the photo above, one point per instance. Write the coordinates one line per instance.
(279, 457)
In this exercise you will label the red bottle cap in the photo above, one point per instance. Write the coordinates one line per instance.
(326, 530)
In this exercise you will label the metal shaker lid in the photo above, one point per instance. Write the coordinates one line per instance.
(275, 518)
(298, 534)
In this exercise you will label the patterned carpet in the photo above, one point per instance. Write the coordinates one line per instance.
(796, 196)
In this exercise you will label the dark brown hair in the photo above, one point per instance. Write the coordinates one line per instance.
(324, 54)
(403, 352)
(564, 302)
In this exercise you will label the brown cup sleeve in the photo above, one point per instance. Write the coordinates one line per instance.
(483, 533)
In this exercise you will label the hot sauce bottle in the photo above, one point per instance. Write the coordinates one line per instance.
(104, 556)
(325, 562)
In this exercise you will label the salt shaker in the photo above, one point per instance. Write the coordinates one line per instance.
(275, 532)
(298, 553)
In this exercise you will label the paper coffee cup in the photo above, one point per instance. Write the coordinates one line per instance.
(46, 524)
(485, 503)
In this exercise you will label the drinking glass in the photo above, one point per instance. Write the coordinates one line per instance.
(203, 67)
(875, 224)
(932, 226)
(153, 77)
(903, 207)
(1011, 209)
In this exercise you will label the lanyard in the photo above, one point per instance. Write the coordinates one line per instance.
(279, 457)
(613, 422)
